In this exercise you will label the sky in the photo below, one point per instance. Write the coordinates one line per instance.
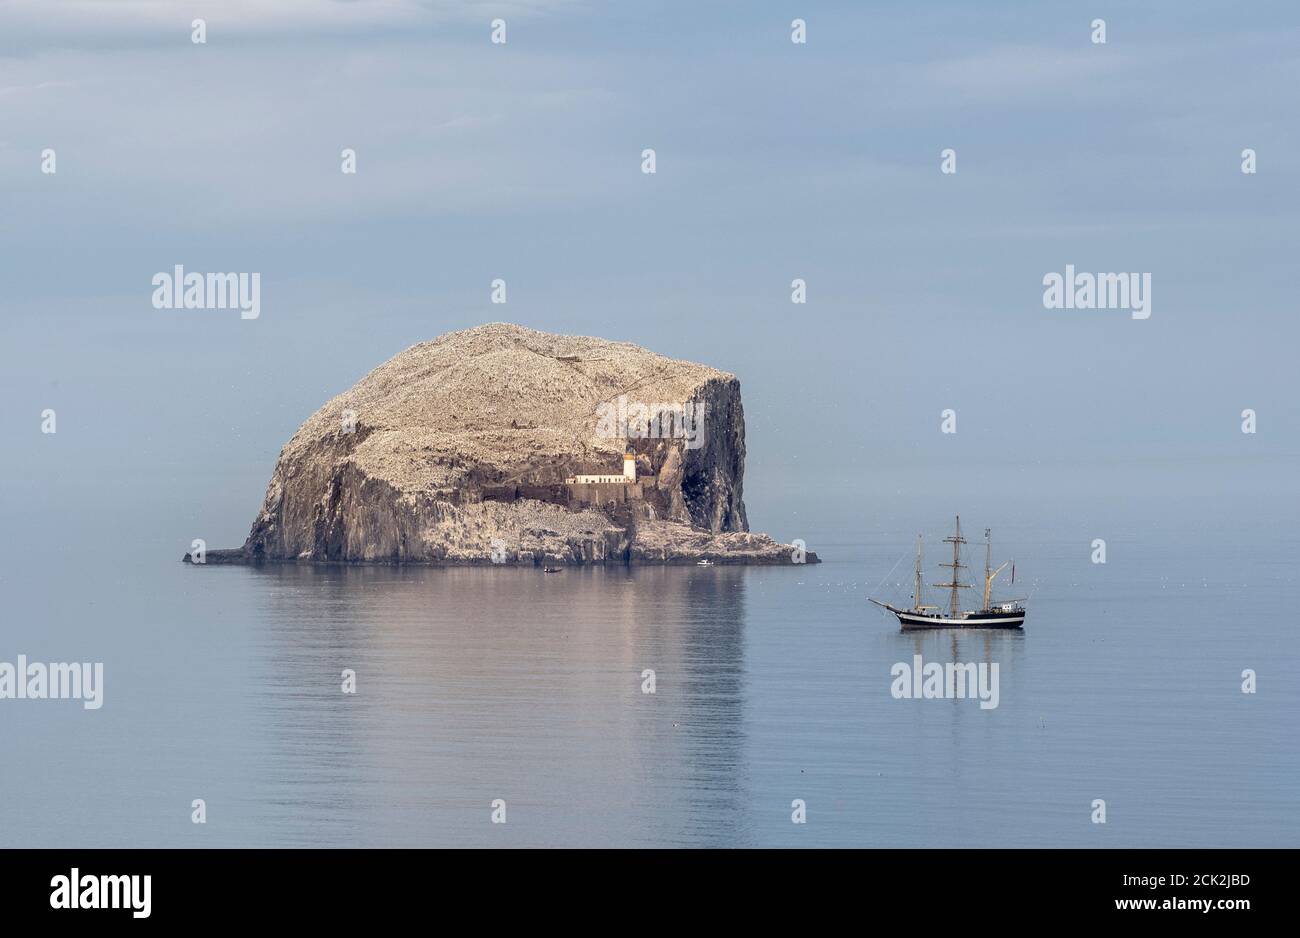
(774, 161)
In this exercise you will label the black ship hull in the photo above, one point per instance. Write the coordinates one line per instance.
(983, 619)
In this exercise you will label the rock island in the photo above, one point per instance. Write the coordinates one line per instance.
(501, 444)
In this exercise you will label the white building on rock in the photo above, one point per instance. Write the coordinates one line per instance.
(628, 476)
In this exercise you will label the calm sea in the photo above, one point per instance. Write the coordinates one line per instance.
(771, 685)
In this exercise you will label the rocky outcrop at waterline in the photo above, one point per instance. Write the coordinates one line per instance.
(469, 450)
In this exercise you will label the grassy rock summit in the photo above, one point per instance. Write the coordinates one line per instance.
(501, 444)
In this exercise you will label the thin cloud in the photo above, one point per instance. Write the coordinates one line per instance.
(28, 26)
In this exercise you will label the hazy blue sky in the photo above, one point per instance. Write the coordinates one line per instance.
(775, 161)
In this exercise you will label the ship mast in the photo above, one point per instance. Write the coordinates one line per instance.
(989, 573)
(917, 595)
(988, 564)
(956, 541)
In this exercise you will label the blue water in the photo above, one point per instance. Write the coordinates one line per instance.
(772, 684)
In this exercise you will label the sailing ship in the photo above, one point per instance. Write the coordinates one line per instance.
(1007, 614)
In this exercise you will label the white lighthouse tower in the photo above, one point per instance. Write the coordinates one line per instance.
(629, 467)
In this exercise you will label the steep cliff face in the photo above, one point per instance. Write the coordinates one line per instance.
(457, 451)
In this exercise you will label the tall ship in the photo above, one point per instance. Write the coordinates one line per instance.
(1007, 614)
